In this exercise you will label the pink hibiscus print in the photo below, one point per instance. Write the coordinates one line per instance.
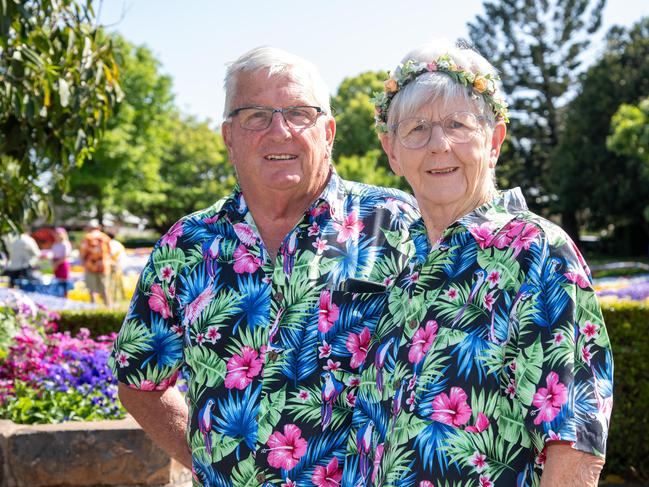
(452, 410)
(485, 481)
(285, 450)
(325, 350)
(489, 300)
(501, 240)
(171, 237)
(426, 483)
(328, 476)
(586, 354)
(422, 340)
(479, 461)
(481, 424)
(328, 313)
(244, 261)
(243, 368)
(351, 399)
(158, 301)
(524, 235)
(358, 345)
(549, 399)
(589, 330)
(578, 278)
(483, 234)
(350, 228)
(493, 278)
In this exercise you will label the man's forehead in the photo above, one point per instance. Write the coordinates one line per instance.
(261, 83)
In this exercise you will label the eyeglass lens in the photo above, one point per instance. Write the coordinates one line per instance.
(458, 127)
(261, 118)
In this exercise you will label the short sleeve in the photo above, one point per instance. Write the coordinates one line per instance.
(564, 367)
(147, 353)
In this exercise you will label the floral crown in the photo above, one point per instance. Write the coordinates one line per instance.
(478, 84)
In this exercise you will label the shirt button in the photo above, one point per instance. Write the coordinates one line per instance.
(412, 324)
(261, 477)
(279, 296)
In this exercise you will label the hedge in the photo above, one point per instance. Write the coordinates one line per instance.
(628, 327)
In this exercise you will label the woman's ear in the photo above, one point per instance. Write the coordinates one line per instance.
(497, 139)
(387, 143)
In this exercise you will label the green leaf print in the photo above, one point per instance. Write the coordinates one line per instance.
(245, 474)
(219, 311)
(166, 257)
(395, 464)
(400, 241)
(502, 261)
(528, 371)
(407, 427)
(309, 410)
(133, 338)
(435, 363)
(270, 413)
(209, 368)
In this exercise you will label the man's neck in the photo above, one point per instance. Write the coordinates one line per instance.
(277, 213)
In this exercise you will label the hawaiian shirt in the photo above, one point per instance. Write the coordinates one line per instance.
(491, 345)
(271, 351)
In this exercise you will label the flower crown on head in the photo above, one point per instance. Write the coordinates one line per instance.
(478, 84)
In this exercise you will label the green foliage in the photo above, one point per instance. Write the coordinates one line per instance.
(8, 328)
(537, 47)
(42, 406)
(58, 86)
(628, 450)
(368, 169)
(98, 321)
(616, 190)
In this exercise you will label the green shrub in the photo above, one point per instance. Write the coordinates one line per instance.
(98, 321)
(628, 448)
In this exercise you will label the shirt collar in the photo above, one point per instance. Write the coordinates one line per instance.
(506, 206)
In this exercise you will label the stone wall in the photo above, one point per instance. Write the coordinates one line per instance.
(111, 453)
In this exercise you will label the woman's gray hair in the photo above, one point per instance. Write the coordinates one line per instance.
(430, 87)
(275, 62)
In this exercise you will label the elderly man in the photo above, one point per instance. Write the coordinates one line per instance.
(268, 300)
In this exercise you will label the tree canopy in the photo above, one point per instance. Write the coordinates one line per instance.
(58, 88)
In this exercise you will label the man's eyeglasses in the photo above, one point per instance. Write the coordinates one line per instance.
(260, 118)
(458, 127)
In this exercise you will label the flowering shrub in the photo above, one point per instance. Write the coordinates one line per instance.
(50, 377)
(634, 288)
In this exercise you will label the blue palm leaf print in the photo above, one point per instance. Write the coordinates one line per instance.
(208, 476)
(420, 239)
(165, 345)
(237, 416)
(409, 476)
(430, 442)
(364, 411)
(351, 471)
(536, 258)
(354, 316)
(427, 393)
(301, 357)
(255, 302)
(585, 403)
(195, 283)
(462, 255)
(356, 259)
(320, 449)
(552, 299)
(467, 352)
(196, 229)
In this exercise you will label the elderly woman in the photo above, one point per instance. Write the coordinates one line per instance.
(491, 365)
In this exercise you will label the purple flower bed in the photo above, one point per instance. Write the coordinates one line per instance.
(633, 288)
(51, 377)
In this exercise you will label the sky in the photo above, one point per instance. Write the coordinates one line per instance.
(195, 39)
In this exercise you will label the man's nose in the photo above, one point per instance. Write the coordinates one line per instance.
(278, 125)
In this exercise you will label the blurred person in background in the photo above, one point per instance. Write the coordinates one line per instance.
(60, 253)
(95, 254)
(22, 259)
(117, 258)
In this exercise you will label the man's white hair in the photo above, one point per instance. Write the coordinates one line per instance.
(275, 62)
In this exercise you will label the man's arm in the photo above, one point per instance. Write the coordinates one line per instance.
(567, 467)
(163, 416)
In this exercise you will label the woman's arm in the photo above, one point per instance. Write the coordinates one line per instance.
(567, 467)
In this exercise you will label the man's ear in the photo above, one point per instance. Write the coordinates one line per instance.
(497, 139)
(226, 133)
(388, 147)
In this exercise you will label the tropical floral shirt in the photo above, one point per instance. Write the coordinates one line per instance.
(272, 352)
(491, 345)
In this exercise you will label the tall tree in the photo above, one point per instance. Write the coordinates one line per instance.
(537, 45)
(357, 150)
(195, 173)
(123, 173)
(58, 86)
(613, 188)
